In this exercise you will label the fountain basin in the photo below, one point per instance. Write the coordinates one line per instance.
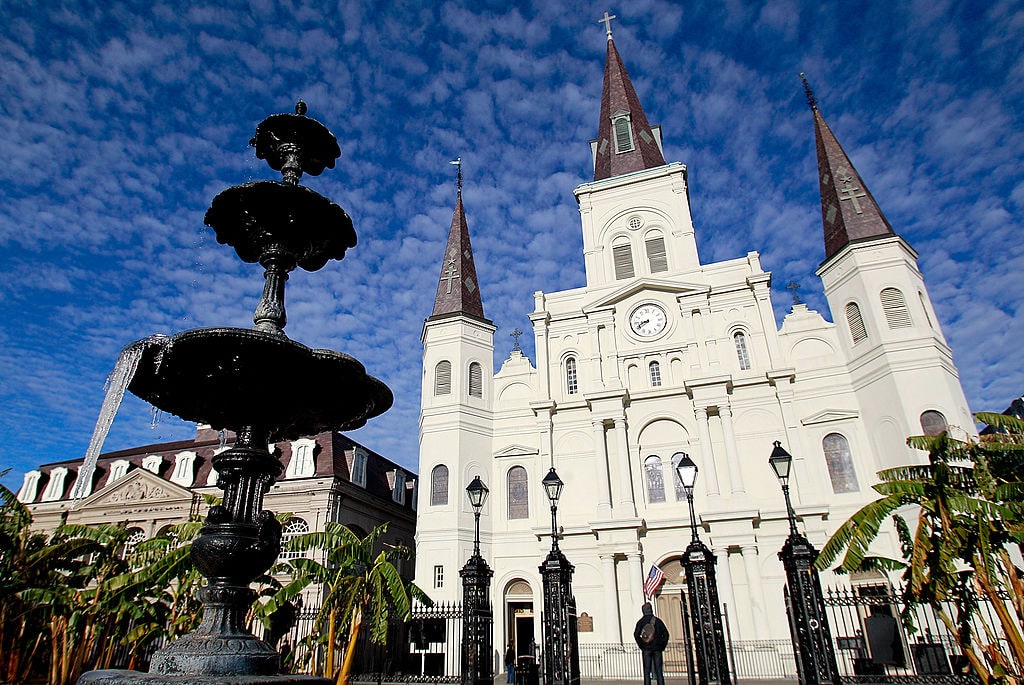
(231, 378)
(290, 219)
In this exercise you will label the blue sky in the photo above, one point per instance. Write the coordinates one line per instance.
(122, 121)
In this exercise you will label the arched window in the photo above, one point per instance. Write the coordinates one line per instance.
(443, 378)
(476, 380)
(571, 382)
(358, 474)
(622, 256)
(856, 323)
(439, 486)
(518, 493)
(933, 423)
(740, 340)
(895, 307)
(294, 528)
(134, 537)
(655, 479)
(657, 260)
(840, 463)
(655, 369)
(622, 132)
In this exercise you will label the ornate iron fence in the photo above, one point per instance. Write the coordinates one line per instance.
(880, 638)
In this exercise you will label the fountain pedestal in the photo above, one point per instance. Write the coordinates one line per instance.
(229, 378)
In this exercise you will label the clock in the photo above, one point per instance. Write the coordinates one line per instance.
(648, 320)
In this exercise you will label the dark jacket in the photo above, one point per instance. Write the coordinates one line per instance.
(510, 657)
(660, 634)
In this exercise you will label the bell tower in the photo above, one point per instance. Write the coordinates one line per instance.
(455, 414)
(900, 364)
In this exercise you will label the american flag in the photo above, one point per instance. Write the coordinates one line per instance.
(654, 580)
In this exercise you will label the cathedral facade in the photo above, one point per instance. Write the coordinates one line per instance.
(660, 355)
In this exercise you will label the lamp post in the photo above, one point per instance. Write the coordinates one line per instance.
(477, 617)
(805, 604)
(561, 641)
(705, 610)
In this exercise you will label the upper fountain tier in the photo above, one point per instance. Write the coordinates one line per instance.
(232, 377)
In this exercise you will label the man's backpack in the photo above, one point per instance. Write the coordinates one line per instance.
(647, 632)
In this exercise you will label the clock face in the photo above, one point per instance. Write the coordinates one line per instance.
(648, 320)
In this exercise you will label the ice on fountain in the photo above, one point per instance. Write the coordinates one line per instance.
(117, 382)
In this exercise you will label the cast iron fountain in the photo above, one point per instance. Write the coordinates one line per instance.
(231, 378)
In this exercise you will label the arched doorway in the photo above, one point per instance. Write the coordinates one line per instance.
(669, 598)
(519, 620)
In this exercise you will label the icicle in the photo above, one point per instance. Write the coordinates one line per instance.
(154, 415)
(117, 383)
(223, 435)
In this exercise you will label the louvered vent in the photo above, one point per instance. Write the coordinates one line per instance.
(656, 256)
(623, 135)
(856, 322)
(476, 380)
(895, 307)
(443, 378)
(623, 257)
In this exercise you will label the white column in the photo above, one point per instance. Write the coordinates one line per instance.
(596, 372)
(636, 582)
(755, 591)
(625, 477)
(732, 455)
(707, 451)
(726, 593)
(613, 629)
(604, 495)
(611, 357)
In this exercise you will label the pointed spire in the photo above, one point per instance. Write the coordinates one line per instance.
(457, 289)
(625, 141)
(848, 210)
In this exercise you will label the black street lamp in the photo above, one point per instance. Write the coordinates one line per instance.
(702, 586)
(561, 640)
(805, 604)
(477, 617)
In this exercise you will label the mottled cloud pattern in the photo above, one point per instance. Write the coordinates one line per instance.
(123, 120)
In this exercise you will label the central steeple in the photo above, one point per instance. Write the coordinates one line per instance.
(625, 141)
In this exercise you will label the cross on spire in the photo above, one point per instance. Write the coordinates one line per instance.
(811, 100)
(607, 21)
(794, 286)
(458, 177)
(515, 335)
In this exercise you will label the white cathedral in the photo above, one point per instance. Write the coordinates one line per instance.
(660, 354)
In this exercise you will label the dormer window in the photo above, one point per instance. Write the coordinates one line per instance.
(398, 491)
(622, 132)
(359, 468)
(118, 470)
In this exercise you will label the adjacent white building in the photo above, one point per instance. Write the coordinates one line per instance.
(658, 354)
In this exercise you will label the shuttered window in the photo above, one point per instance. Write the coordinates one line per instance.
(623, 134)
(895, 307)
(623, 257)
(443, 378)
(656, 257)
(476, 380)
(856, 323)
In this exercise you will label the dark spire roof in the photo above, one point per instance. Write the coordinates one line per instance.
(618, 96)
(458, 291)
(848, 210)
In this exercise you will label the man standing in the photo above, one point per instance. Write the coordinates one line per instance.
(510, 662)
(651, 636)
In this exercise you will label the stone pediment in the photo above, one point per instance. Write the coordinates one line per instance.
(517, 451)
(651, 284)
(827, 415)
(138, 486)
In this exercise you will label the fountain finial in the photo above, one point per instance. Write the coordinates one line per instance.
(300, 108)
